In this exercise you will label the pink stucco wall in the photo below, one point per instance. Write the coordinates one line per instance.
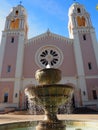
(6, 87)
(10, 56)
(68, 66)
(88, 55)
(92, 84)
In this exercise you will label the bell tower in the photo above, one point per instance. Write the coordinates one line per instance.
(17, 20)
(79, 19)
(14, 37)
(85, 45)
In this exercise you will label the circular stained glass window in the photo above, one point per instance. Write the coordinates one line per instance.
(49, 55)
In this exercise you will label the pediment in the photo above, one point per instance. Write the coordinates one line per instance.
(49, 35)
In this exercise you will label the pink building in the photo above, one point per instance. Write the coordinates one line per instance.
(76, 57)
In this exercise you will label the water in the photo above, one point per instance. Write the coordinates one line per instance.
(70, 125)
(35, 109)
(74, 128)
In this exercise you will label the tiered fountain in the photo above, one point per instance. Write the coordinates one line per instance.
(50, 96)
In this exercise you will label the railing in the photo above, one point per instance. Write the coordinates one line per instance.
(91, 104)
(7, 105)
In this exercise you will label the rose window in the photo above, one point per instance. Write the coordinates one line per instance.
(49, 55)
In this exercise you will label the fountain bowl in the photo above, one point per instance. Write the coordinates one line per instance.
(50, 97)
(48, 76)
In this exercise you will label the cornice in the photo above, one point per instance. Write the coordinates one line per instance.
(48, 35)
(83, 29)
(13, 32)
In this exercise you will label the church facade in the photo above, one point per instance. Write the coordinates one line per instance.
(76, 57)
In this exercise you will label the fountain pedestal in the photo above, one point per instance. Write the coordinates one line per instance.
(51, 122)
(50, 96)
(59, 125)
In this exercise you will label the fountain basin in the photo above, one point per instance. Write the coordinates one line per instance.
(70, 125)
(50, 95)
(48, 76)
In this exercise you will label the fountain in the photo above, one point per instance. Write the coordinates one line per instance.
(50, 95)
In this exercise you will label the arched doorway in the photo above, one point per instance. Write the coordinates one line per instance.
(73, 101)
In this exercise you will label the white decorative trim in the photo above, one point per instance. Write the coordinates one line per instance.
(19, 67)
(69, 80)
(7, 79)
(20, 54)
(2, 50)
(29, 81)
(47, 35)
(91, 77)
(79, 64)
(95, 44)
(78, 55)
(17, 86)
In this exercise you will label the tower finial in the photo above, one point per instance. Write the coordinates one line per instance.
(74, 0)
(48, 31)
(20, 2)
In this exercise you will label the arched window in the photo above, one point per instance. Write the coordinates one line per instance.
(89, 65)
(16, 12)
(84, 36)
(6, 97)
(14, 24)
(9, 68)
(12, 39)
(78, 10)
(79, 21)
(83, 21)
(94, 93)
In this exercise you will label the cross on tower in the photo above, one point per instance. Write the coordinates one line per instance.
(20, 2)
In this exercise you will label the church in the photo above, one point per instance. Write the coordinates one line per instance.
(76, 57)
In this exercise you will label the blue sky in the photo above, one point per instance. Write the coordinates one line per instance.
(44, 14)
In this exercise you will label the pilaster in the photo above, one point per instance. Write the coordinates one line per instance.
(19, 67)
(95, 44)
(2, 49)
(80, 68)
